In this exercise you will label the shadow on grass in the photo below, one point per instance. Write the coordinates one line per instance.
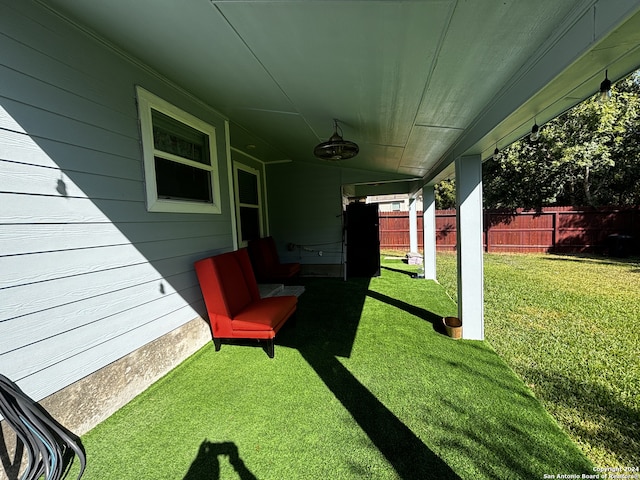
(328, 314)
(331, 310)
(619, 423)
(475, 415)
(398, 270)
(631, 261)
(206, 465)
(494, 424)
(434, 319)
(408, 455)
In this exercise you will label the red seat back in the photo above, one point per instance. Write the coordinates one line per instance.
(264, 256)
(228, 285)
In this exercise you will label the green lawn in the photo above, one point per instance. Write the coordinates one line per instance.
(364, 386)
(570, 327)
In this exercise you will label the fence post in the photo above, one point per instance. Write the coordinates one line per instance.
(554, 235)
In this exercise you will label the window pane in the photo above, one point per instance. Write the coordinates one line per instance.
(249, 223)
(247, 187)
(182, 182)
(172, 136)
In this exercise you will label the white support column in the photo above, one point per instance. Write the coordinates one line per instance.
(413, 226)
(429, 231)
(469, 246)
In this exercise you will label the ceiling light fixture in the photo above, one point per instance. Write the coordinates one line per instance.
(605, 88)
(535, 132)
(336, 148)
(496, 154)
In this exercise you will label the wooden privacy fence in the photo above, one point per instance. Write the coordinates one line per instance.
(552, 229)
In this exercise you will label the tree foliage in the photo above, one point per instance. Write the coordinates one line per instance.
(445, 193)
(590, 155)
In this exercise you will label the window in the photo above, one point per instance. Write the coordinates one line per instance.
(248, 203)
(395, 206)
(180, 164)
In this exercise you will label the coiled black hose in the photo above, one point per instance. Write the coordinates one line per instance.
(50, 447)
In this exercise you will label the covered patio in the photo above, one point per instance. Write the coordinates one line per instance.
(106, 105)
(428, 89)
(364, 386)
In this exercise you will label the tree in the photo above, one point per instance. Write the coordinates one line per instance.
(588, 156)
(445, 193)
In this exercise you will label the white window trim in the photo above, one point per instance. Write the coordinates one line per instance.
(239, 166)
(147, 101)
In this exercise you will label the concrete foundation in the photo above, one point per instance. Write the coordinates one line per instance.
(87, 402)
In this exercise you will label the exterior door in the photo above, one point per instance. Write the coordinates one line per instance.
(362, 240)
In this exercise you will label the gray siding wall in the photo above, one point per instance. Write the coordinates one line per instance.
(305, 208)
(87, 275)
(306, 213)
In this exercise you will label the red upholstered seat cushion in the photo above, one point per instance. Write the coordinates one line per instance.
(265, 314)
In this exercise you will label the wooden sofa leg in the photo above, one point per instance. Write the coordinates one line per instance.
(217, 343)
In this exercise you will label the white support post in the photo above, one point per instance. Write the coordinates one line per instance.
(469, 246)
(413, 226)
(429, 231)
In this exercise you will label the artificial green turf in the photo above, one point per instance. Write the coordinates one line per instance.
(365, 385)
(570, 327)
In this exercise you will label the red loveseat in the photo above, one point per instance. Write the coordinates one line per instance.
(266, 264)
(233, 302)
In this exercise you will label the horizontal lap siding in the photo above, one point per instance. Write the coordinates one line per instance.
(312, 223)
(87, 275)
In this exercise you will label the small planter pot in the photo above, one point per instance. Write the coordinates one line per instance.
(453, 327)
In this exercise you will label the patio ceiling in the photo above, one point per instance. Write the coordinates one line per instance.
(415, 83)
